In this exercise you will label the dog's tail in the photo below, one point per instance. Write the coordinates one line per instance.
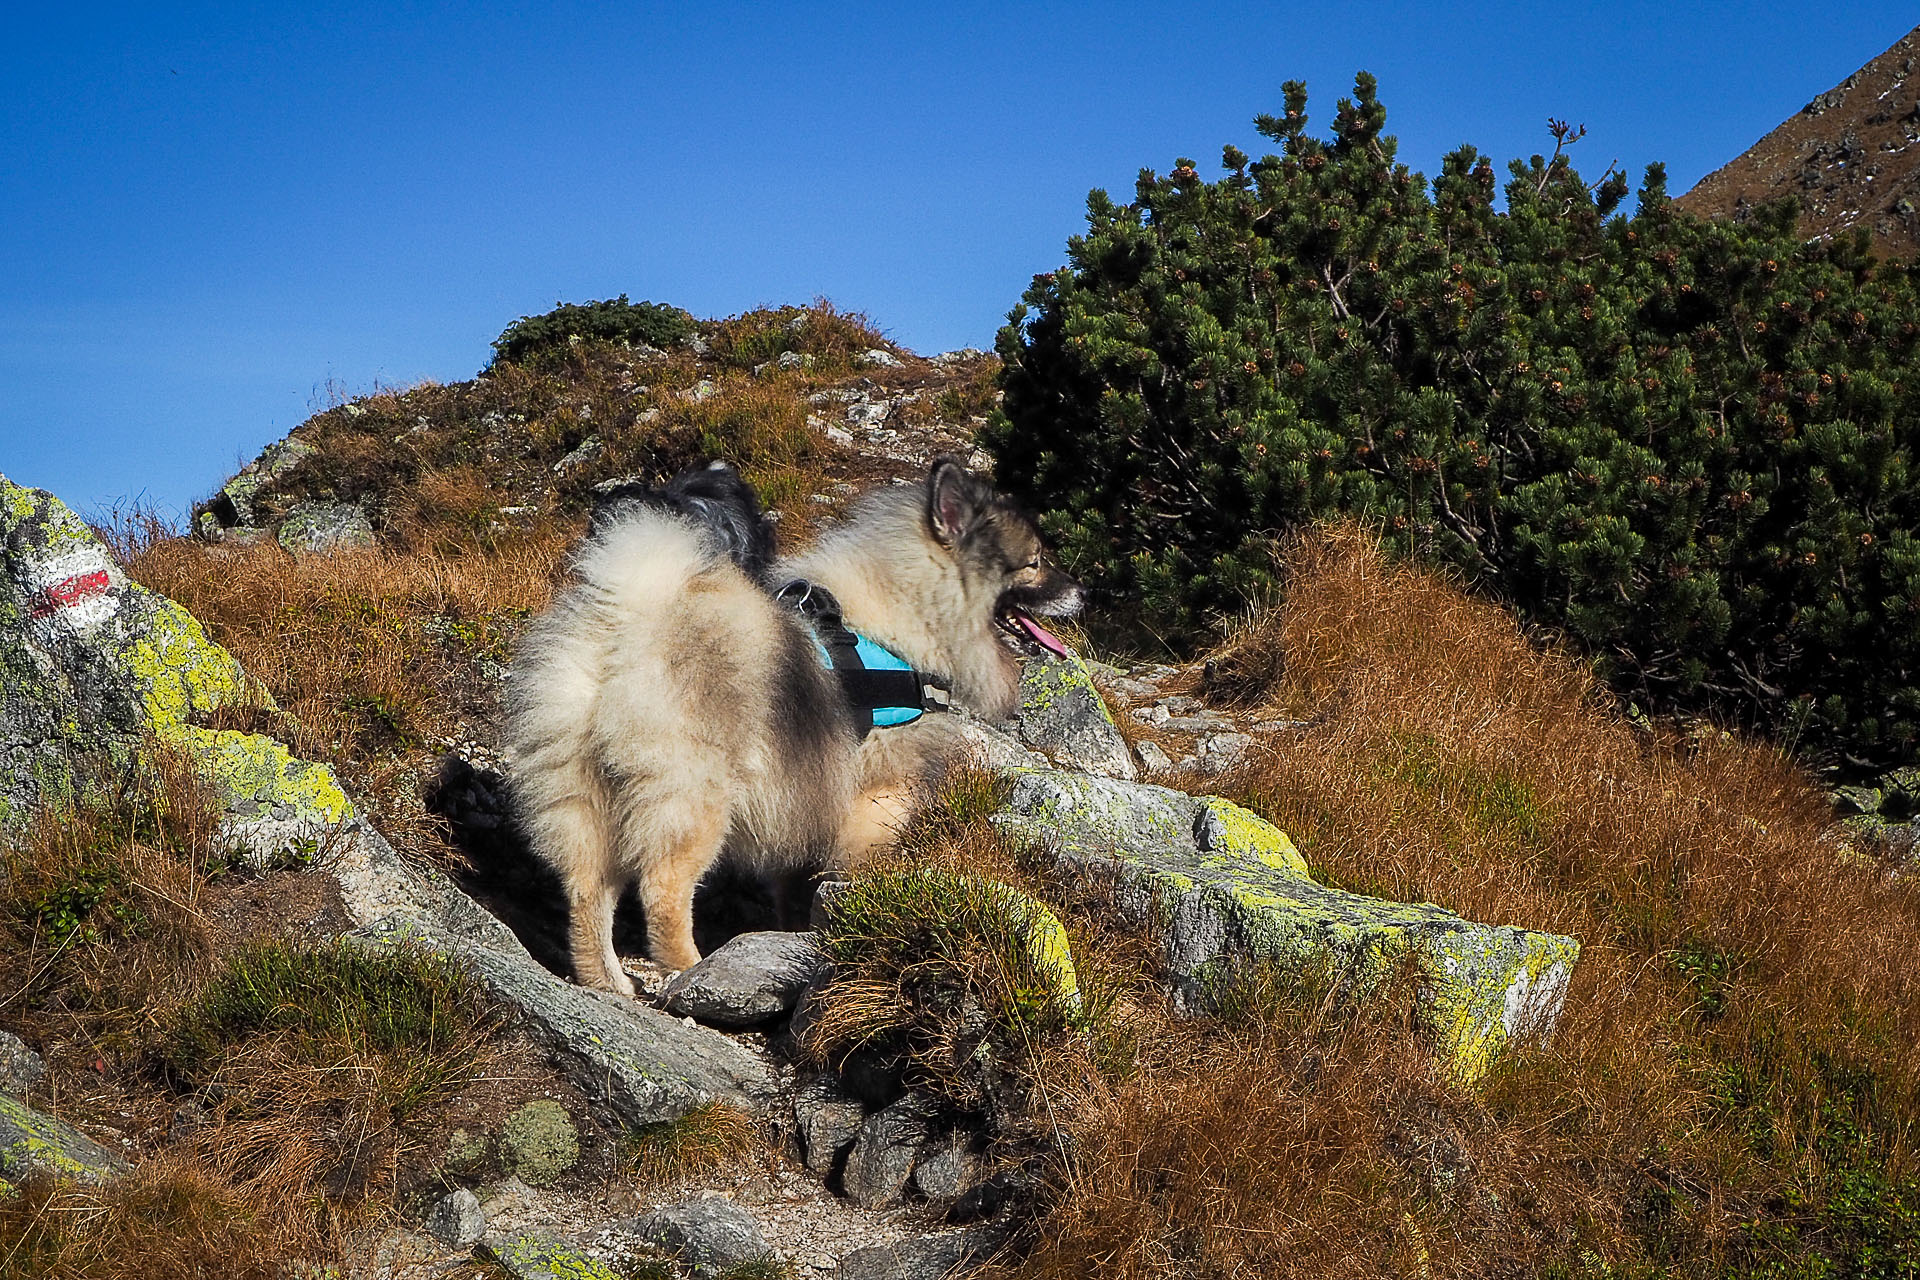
(714, 497)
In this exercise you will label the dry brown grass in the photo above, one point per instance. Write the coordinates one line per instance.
(705, 1140)
(100, 915)
(1735, 1080)
(170, 1218)
(376, 657)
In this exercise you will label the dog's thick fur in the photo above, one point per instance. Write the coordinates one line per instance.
(668, 709)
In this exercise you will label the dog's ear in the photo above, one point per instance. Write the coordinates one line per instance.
(956, 499)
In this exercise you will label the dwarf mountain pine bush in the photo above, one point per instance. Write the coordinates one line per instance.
(1687, 444)
(614, 320)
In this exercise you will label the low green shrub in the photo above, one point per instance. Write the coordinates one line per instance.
(613, 320)
(1690, 445)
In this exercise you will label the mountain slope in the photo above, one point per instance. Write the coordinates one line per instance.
(1849, 155)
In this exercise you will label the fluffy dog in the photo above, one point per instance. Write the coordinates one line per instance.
(670, 707)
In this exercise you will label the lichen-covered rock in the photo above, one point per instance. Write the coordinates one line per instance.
(541, 1141)
(231, 514)
(94, 666)
(531, 1257)
(316, 528)
(1224, 887)
(1063, 717)
(708, 1235)
(33, 1142)
(639, 1064)
(752, 978)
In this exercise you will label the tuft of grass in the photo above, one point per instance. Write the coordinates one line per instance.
(99, 905)
(706, 1139)
(930, 965)
(307, 1062)
(167, 1218)
(412, 1010)
(831, 336)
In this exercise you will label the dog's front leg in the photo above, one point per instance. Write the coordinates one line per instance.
(590, 935)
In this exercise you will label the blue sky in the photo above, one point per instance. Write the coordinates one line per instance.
(210, 212)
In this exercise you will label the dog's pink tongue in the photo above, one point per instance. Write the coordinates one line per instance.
(1043, 637)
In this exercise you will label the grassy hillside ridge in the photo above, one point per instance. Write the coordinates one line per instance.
(1732, 1091)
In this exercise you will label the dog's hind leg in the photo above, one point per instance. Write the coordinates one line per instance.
(677, 855)
(572, 834)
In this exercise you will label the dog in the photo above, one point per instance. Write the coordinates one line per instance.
(674, 705)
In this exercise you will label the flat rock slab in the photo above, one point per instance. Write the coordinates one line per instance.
(639, 1063)
(1223, 887)
(34, 1142)
(933, 1257)
(754, 977)
(707, 1235)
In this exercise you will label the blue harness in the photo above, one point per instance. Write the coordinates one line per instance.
(881, 687)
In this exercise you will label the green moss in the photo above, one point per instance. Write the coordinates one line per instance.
(541, 1140)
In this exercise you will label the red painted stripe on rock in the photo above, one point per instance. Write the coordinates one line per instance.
(71, 591)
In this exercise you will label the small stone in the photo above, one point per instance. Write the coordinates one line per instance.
(949, 1167)
(457, 1220)
(828, 1122)
(584, 453)
(320, 528)
(708, 1235)
(20, 1067)
(883, 1155)
(540, 1141)
(751, 979)
(1152, 758)
(1222, 751)
(877, 358)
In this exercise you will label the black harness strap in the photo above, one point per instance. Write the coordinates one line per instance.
(867, 689)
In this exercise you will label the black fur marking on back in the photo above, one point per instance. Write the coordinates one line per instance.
(713, 496)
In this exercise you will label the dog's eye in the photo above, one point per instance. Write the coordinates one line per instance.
(1034, 563)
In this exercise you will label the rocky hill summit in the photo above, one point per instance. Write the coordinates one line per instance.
(1849, 157)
